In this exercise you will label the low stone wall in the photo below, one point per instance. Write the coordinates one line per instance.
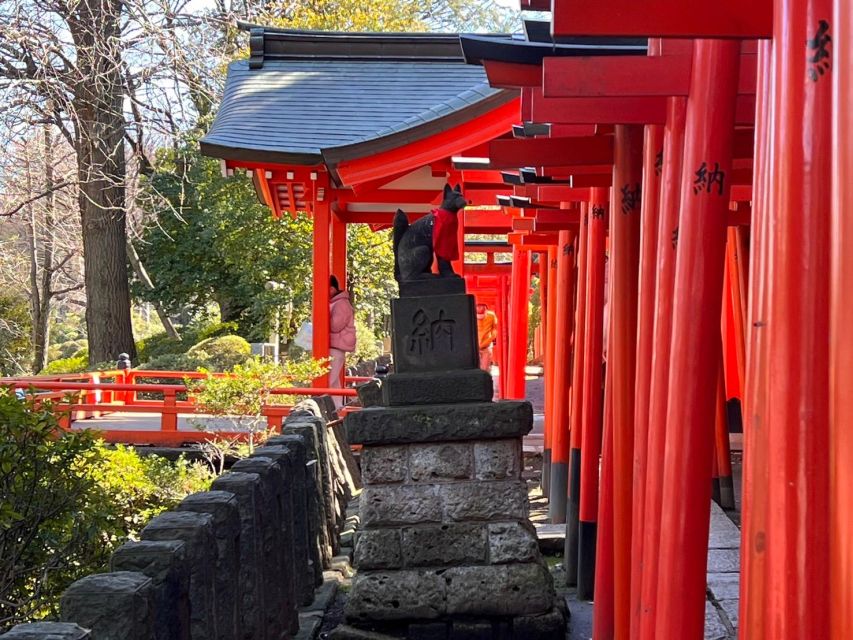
(235, 562)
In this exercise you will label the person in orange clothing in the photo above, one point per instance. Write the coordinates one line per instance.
(487, 332)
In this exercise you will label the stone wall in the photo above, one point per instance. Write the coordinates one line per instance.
(445, 547)
(232, 563)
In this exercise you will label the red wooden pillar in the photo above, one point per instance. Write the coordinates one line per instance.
(724, 481)
(659, 383)
(550, 348)
(505, 337)
(459, 265)
(339, 250)
(735, 277)
(592, 407)
(320, 294)
(570, 550)
(519, 288)
(695, 353)
(841, 433)
(652, 166)
(603, 622)
(560, 427)
(798, 322)
(753, 588)
(622, 356)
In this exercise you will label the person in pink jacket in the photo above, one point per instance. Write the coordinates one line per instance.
(341, 335)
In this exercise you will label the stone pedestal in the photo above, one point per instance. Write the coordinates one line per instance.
(445, 548)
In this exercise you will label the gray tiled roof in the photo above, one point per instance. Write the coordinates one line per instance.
(292, 111)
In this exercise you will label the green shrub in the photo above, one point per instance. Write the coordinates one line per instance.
(241, 396)
(221, 353)
(15, 326)
(68, 502)
(367, 347)
(158, 345)
(69, 349)
(216, 329)
(74, 364)
(170, 362)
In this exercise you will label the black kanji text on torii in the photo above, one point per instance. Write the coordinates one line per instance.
(818, 54)
(706, 179)
(597, 211)
(630, 198)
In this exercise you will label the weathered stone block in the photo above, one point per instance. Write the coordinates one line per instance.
(497, 459)
(440, 422)
(466, 385)
(500, 500)
(397, 595)
(47, 631)
(499, 590)
(338, 432)
(370, 393)
(281, 614)
(434, 333)
(512, 542)
(306, 501)
(445, 544)
(431, 287)
(313, 430)
(222, 505)
(428, 631)
(250, 579)
(469, 630)
(112, 605)
(382, 465)
(165, 563)
(544, 626)
(196, 530)
(383, 506)
(296, 519)
(443, 461)
(378, 549)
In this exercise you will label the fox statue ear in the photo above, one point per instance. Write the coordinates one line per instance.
(447, 188)
(458, 188)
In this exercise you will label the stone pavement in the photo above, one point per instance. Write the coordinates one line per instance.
(721, 607)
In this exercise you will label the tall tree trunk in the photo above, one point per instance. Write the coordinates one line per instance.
(33, 243)
(41, 324)
(96, 29)
(145, 279)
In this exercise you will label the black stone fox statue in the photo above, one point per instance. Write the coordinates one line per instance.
(435, 233)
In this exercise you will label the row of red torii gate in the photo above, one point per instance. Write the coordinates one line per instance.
(679, 180)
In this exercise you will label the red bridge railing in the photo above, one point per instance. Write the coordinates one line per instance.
(79, 397)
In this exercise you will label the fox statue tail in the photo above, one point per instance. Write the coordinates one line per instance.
(401, 225)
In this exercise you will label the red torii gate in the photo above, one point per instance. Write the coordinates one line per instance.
(711, 133)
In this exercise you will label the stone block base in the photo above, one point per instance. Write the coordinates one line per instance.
(466, 385)
(550, 625)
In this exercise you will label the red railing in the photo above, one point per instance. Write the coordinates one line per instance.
(82, 396)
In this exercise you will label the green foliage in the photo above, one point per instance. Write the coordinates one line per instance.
(366, 347)
(534, 315)
(241, 396)
(15, 328)
(222, 353)
(74, 364)
(393, 15)
(140, 487)
(69, 349)
(212, 241)
(68, 502)
(370, 265)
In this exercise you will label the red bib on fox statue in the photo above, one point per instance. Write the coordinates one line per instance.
(445, 234)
